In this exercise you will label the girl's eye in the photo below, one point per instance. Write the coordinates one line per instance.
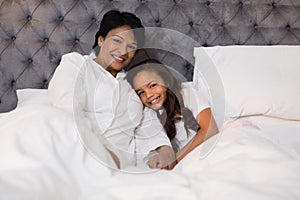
(140, 93)
(153, 85)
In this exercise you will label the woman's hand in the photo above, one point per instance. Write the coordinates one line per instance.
(162, 158)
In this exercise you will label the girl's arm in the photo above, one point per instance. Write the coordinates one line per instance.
(208, 128)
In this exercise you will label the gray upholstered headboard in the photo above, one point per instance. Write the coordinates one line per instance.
(34, 34)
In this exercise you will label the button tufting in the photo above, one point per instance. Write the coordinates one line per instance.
(13, 83)
(0, 101)
(274, 5)
(157, 22)
(255, 26)
(29, 60)
(29, 18)
(222, 25)
(46, 40)
(76, 40)
(45, 82)
(240, 4)
(143, 1)
(93, 19)
(13, 38)
(191, 23)
(61, 18)
(207, 3)
(288, 27)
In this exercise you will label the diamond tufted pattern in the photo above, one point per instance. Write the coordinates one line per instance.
(34, 34)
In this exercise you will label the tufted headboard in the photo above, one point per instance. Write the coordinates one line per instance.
(34, 34)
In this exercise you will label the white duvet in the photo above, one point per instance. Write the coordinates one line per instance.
(42, 157)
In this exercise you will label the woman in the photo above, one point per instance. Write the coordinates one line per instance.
(184, 113)
(96, 85)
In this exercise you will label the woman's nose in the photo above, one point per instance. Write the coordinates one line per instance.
(123, 49)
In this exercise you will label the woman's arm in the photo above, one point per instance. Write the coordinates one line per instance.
(62, 84)
(208, 128)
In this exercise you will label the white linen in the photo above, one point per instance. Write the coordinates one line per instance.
(243, 163)
(43, 158)
(41, 153)
(32, 96)
(256, 79)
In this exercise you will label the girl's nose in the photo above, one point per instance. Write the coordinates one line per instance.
(149, 93)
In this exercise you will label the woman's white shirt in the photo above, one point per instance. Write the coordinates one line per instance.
(112, 106)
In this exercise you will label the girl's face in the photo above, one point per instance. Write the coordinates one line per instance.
(117, 49)
(151, 89)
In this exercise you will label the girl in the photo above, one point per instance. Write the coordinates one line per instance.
(183, 112)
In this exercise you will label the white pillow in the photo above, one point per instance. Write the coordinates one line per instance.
(257, 80)
(32, 96)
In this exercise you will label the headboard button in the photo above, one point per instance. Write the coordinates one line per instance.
(255, 26)
(222, 25)
(274, 5)
(29, 18)
(13, 38)
(13, 83)
(76, 40)
(46, 40)
(61, 18)
(288, 27)
(45, 82)
(191, 23)
(207, 3)
(29, 60)
(93, 19)
(240, 4)
(157, 22)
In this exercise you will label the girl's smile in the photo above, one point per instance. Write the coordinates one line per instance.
(151, 89)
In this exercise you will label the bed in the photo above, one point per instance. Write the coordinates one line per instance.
(243, 55)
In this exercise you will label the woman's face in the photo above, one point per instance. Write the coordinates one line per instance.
(151, 89)
(117, 49)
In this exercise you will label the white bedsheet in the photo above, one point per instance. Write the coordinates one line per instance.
(41, 157)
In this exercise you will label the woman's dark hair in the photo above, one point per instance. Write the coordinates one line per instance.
(114, 19)
(174, 109)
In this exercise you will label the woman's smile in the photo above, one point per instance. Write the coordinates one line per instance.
(118, 59)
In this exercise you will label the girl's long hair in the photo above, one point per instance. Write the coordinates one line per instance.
(173, 108)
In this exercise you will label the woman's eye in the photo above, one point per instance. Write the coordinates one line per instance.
(132, 47)
(117, 41)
